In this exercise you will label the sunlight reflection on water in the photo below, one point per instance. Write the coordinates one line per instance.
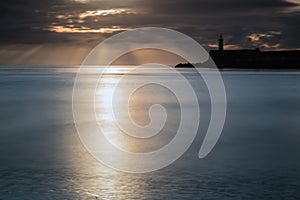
(256, 158)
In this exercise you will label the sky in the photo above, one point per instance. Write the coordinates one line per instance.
(62, 32)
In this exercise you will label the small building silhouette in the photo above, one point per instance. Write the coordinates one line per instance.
(221, 43)
(254, 58)
(250, 59)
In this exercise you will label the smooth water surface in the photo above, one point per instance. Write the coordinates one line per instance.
(257, 156)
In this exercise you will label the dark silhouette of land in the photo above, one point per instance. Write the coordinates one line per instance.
(250, 59)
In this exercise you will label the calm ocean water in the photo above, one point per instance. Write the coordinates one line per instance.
(257, 156)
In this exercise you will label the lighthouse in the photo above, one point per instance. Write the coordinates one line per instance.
(221, 43)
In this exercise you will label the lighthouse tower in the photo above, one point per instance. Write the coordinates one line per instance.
(221, 43)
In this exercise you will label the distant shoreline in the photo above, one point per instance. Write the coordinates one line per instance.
(258, 69)
(243, 69)
(250, 59)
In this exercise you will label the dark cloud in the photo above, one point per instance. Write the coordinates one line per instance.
(213, 6)
(34, 21)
